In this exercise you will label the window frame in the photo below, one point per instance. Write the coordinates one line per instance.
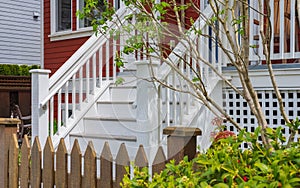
(66, 34)
(53, 16)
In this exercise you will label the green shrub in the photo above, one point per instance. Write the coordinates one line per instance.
(225, 164)
(16, 70)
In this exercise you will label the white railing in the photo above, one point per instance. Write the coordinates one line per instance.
(77, 84)
(285, 19)
(180, 108)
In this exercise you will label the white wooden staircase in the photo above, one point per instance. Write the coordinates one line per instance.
(83, 102)
(112, 118)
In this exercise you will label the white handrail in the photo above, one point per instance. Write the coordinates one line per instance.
(181, 108)
(79, 82)
(181, 48)
(79, 58)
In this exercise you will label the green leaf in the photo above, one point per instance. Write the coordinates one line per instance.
(262, 185)
(205, 162)
(259, 178)
(204, 184)
(264, 168)
(195, 79)
(221, 185)
(119, 81)
(287, 186)
(293, 180)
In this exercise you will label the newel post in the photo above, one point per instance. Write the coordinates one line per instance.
(39, 114)
(146, 104)
(146, 92)
(181, 141)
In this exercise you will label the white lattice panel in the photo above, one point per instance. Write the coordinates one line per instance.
(239, 110)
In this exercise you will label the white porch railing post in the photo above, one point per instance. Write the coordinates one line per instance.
(146, 101)
(146, 93)
(39, 115)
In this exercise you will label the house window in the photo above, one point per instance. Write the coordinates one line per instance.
(96, 13)
(117, 4)
(63, 15)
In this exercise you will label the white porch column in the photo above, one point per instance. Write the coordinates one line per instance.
(39, 115)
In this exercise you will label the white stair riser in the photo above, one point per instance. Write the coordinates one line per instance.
(96, 126)
(116, 110)
(114, 145)
(123, 93)
(130, 80)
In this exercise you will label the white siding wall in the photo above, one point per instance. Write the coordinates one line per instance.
(19, 32)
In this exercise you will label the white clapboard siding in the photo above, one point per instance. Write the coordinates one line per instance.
(20, 32)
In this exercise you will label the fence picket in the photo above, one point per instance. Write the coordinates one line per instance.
(48, 164)
(33, 175)
(13, 162)
(159, 161)
(141, 158)
(75, 174)
(61, 174)
(25, 162)
(106, 177)
(90, 175)
(36, 158)
(122, 160)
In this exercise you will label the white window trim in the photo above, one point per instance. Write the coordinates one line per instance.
(77, 20)
(53, 17)
(68, 34)
(63, 35)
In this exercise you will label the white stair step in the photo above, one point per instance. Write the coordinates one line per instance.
(116, 109)
(106, 136)
(109, 125)
(129, 66)
(129, 78)
(123, 93)
(114, 142)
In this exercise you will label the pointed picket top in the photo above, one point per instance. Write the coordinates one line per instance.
(90, 173)
(36, 161)
(122, 160)
(61, 174)
(25, 143)
(90, 151)
(13, 162)
(25, 163)
(48, 164)
(106, 153)
(141, 158)
(106, 179)
(75, 173)
(122, 156)
(159, 161)
(76, 148)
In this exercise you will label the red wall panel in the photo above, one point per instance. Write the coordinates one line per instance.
(58, 52)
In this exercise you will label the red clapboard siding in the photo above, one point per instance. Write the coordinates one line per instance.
(58, 52)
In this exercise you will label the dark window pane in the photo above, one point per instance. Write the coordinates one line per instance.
(63, 15)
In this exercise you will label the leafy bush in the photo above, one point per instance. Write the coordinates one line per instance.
(225, 164)
(16, 70)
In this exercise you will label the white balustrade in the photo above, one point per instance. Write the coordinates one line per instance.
(174, 106)
(61, 101)
(285, 31)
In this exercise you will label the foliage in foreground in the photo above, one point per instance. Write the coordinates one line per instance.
(225, 164)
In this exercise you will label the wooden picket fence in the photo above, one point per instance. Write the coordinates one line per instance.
(27, 167)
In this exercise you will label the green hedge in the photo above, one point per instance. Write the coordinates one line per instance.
(16, 70)
(226, 165)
